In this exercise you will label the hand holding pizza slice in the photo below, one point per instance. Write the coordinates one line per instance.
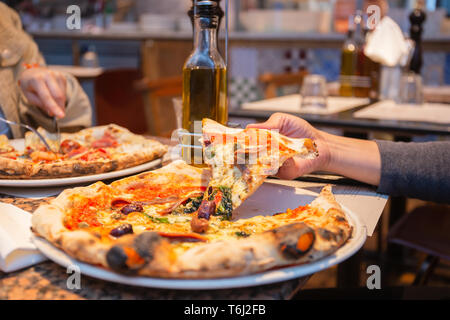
(142, 225)
(240, 161)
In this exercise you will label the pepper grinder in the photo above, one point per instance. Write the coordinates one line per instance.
(219, 13)
(417, 19)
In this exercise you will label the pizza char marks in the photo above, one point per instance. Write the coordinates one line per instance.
(154, 224)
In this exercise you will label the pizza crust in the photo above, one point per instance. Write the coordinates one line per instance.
(241, 160)
(156, 256)
(139, 151)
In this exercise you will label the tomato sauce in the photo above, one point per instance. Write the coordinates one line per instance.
(85, 210)
(144, 192)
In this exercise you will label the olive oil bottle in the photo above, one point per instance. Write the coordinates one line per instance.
(348, 65)
(204, 95)
(204, 80)
(355, 78)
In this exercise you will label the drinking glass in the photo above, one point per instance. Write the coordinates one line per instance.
(314, 92)
(410, 91)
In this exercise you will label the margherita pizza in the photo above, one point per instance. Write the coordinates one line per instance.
(141, 225)
(89, 151)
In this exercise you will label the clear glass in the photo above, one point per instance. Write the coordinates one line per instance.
(178, 110)
(314, 92)
(411, 89)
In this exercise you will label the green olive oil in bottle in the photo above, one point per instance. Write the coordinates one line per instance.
(204, 80)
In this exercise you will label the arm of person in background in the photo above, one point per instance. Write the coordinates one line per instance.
(45, 89)
(48, 93)
(417, 170)
(44, 93)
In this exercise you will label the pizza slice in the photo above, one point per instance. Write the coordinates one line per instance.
(240, 161)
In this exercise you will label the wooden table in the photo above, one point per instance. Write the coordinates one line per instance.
(345, 120)
(47, 280)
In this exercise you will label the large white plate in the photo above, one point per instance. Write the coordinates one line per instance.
(19, 145)
(268, 199)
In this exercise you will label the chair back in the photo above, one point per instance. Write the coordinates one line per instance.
(272, 82)
(117, 100)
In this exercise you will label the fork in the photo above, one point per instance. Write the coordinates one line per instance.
(29, 128)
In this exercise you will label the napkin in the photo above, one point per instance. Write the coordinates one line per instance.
(387, 45)
(16, 249)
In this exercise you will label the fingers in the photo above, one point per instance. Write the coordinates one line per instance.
(287, 125)
(294, 168)
(32, 98)
(274, 122)
(45, 89)
(289, 170)
(47, 102)
(57, 91)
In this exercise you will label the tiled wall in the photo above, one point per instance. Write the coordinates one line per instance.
(246, 64)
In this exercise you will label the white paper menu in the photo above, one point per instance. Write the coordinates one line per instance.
(363, 201)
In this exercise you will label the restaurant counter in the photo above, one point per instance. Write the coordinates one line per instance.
(320, 40)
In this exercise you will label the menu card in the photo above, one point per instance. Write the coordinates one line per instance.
(363, 201)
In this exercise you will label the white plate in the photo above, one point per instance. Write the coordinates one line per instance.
(19, 145)
(288, 197)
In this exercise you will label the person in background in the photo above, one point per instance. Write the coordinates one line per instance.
(30, 93)
(416, 170)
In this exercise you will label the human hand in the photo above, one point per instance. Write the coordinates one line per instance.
(45, 89)
(294, 127)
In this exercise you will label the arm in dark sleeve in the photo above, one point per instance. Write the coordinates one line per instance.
(416, 170)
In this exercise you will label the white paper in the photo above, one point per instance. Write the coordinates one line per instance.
(16, 249)
(389, 110)
(387, 45)
(364, 202)
(291, 103)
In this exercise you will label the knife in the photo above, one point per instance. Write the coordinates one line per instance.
(56, 133)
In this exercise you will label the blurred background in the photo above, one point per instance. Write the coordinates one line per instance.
(266, 36)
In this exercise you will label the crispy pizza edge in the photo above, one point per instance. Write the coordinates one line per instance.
(47, 221)
(219, 259)
(151, 150)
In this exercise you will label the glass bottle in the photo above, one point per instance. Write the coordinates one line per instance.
(204, 78)
(356, 67)
(348, 62)
(417, 19)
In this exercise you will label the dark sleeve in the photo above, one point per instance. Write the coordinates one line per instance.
(415, 170)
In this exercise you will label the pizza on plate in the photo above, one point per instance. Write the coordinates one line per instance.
(89, 151)
(141, 225)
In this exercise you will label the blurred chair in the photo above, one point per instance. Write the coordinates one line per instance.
(272, 82)
(426, 229)
(117, 100)
(155, 92)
